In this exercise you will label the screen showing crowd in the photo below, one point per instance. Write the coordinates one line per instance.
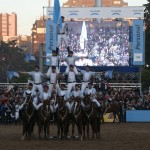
(98, 43)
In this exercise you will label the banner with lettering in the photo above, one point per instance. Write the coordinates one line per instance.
(51, 38)
(138, 42)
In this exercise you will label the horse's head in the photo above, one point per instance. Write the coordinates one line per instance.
(87, 101)
(77, 103)
(46, 105)
(61, 101)
(29, 100)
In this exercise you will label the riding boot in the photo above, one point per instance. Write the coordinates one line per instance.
(99, 112)
(57, 50)
(54, 118)
(68, 49)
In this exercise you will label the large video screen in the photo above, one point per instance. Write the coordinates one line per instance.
(98, 43)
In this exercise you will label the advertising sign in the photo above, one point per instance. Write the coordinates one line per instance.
(138, 42)
(51, 38)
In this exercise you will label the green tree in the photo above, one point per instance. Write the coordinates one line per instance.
(13, 58)
(147, 32)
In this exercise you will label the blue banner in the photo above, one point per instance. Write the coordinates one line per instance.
(51, 38)
(138, 42)
(138, 116)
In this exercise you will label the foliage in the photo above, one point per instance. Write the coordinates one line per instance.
(147, 32)
(145, 78)
(13, 59)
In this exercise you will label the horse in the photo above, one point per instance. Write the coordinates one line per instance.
(62, 117)
(77, 116)
(115, 108)
(43, 118)
(91, 117)
(28, 117)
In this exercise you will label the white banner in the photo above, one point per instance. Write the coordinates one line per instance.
(99, 12)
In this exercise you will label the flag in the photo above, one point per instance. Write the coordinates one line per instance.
(29, 57)
(109, 74)
(11, 74)
(56, 13)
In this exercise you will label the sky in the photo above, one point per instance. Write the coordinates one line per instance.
(29, 10)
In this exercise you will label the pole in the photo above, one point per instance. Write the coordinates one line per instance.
(49, 3)
(98, 3)
(41, 49)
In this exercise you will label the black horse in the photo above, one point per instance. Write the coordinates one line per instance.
(92, 117)
(43, 118)
(77, 116)
(28, 117)
(62, 117)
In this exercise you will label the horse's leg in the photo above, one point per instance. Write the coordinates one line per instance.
(98, 123)
(79, 126)
(93, 129)
(119, 117)
(73, 128)
(62, 130)
(83, 130)
(23, 131)
(88, 131)
(66, 128)
(114, 117)
(58, 130)
(39, 129)
(48, 129)
(45, 130)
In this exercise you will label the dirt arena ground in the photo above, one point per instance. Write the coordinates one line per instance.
(126, 136)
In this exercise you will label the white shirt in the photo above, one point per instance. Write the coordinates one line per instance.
(26, 92)
(71, 60)
(46, 95)
(53, 77)
(53, 60)
(37, 76)
(75, 93)
(71, 75)
(87, 75)
(91, 91)
(61, 92)
(63, 29)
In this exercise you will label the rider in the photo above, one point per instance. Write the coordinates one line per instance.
(74, 94)
(45, 96)
(28, 91)
(71, 78)
(87, 74)
(53, 76)
(37, 78)
(90, 90)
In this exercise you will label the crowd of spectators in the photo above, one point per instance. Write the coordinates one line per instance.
(129, 99)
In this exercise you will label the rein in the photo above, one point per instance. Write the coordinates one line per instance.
(29, 116)
(88, 115)
(61, 109)
(46, 115)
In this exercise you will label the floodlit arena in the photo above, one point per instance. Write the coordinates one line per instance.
(109, 42)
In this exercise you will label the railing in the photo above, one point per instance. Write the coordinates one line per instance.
(115, 85)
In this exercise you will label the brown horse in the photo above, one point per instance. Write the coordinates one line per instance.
(91, 117)
(28, 117)
(77, 116)
(115, 108)
(62, 117)
(43, 118)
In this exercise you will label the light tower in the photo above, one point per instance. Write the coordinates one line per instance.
(49, 3)
(98, 3)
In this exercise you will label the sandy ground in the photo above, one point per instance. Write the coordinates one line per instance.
(126, 136)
